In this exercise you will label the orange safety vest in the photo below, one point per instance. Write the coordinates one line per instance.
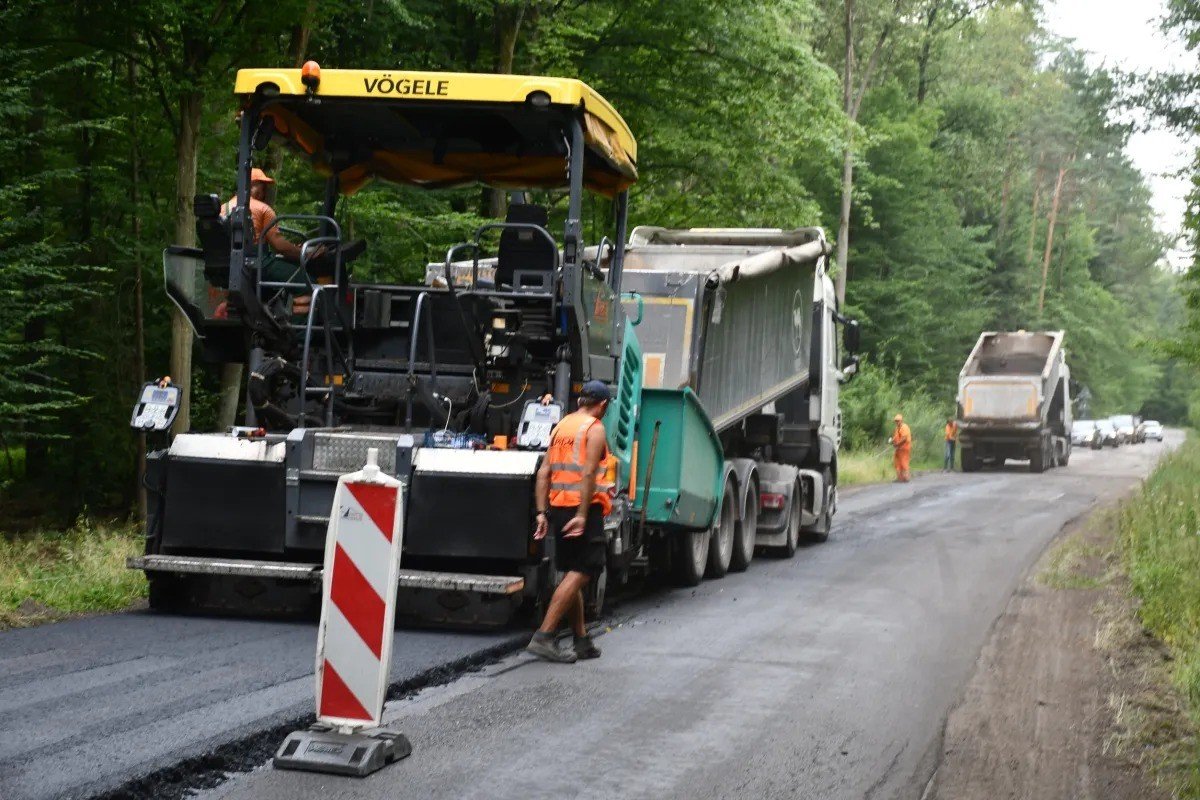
(951, 431)
(566, 455)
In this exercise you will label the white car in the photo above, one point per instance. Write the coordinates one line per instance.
(1084, 433)
(1108, 434)
(1153, 429)
(1127, 428)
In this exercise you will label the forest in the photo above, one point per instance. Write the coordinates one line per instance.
(971, 166)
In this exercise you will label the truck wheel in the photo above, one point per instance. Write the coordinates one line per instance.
(721, 540)
(968, 462)
(690, 556)
(792, 538)
(746, 532)
(819, 532)
(1037, 461)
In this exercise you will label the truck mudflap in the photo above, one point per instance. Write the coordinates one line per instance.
(504, 585)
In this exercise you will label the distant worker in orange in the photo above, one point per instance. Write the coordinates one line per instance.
(951, 441)
(572, 501)
(902, 449)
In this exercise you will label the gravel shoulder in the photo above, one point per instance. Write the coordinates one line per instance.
(1064, 688)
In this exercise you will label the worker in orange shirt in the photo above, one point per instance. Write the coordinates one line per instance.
(951, 441)
(283, 257)
(902, 449)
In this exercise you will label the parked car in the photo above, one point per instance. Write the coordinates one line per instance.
(1108, 433)
(1084, 433)
(1127, 427)
(1152, 429)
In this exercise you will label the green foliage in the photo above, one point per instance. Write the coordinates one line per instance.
(1160, 537)
(42, 278)
(872, 400)
(971, 109)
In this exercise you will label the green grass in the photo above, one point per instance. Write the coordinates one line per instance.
(857, 467)
(50, 574)
(1160, 544)
(1065, 566)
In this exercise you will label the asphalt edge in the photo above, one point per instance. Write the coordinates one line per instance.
(926, 776)
(246, 753)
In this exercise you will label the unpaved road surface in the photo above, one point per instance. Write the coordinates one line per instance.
(829, 675)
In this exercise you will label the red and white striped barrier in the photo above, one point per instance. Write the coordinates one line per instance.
(358, 608)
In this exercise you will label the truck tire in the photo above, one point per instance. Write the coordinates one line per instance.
(968, 462)
(1037, 461)
(722, 541)
(792, 538)
(690, 556)
(819, 532)
(746, 532)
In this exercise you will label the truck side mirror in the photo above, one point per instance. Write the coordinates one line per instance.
(849, 370)
(852, 336)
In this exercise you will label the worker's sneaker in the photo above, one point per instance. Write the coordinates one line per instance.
(543, 645)
(585, 648)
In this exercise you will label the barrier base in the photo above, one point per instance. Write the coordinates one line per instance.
(323, 749)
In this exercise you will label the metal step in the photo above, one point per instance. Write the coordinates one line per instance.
(408, 578)
(197, 565)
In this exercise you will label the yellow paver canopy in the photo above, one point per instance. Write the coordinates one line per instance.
(446, 129)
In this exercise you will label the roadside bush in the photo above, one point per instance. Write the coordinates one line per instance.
(869, 403)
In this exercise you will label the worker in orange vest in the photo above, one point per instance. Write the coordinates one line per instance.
(574, 469)
(951, 441)
(902, 444)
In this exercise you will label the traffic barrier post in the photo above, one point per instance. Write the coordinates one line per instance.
(354, 639)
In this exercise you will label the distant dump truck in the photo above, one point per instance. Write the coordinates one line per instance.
(1014, 401)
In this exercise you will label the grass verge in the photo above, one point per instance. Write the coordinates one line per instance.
(1160, 548)
(858, 467)
(47, 575)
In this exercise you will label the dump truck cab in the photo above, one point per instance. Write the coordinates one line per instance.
(442, 375)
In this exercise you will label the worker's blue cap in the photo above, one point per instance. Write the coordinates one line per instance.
(596, 390)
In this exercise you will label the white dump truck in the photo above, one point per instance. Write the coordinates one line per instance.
(747, 318)
(1014, 401)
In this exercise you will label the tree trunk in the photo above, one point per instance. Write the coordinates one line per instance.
(298, 47)
(506, 28)
(139, 320)
(926, 49)
(231, 392)
(1002, 223)
(187, 145)
(843, 238)
(1062, 172)
(1033, 215)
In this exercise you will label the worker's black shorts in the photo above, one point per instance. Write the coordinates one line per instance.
(586, 553)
